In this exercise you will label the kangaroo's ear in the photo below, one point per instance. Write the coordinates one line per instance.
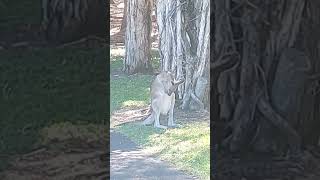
(171, 74)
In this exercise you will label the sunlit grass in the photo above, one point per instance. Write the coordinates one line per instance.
(66, 130)
(116, 63)
(128, 91)
(119, 51)
(132, 103)
(188, 148)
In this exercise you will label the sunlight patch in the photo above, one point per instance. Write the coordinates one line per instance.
(117, 51)
(65, 131)
(132, 103)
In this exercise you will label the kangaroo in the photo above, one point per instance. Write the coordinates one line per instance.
(163, 90)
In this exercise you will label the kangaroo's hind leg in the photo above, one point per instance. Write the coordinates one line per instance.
(149, 119)
(171, 120)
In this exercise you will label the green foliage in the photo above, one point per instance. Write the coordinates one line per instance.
(142, 135)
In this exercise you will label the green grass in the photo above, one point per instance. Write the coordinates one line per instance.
(66, 131)
(128, 91)
(155, 59)
(188, 148)
(43, 87)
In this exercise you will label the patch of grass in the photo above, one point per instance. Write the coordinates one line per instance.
(66, 130)
(128, 91)
(48, 86)
(188, 148)
(116, 63)
(132, 91)
(131, 103)
(116, 59)
(155, 60)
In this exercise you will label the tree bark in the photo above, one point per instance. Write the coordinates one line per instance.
(138, 37)
(124, 19)
(184, 29)
(310, 43)
(263, 45)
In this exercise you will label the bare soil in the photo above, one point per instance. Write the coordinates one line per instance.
(127, 115)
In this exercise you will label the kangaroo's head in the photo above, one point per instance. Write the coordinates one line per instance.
(170, 84)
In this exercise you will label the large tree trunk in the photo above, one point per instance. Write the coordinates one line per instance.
(124, 18)
(265, 86)
(259, 45)
(138, 37)
(67, 20)
(310, 44)
(184, 29)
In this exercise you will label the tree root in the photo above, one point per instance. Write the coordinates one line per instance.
(265, 167)
(293, 137)
(73, 161)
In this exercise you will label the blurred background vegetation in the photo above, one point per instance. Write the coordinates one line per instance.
(42, 86)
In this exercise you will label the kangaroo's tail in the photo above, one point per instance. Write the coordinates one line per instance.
(149, 120)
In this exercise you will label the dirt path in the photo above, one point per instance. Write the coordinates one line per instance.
(128, 161)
